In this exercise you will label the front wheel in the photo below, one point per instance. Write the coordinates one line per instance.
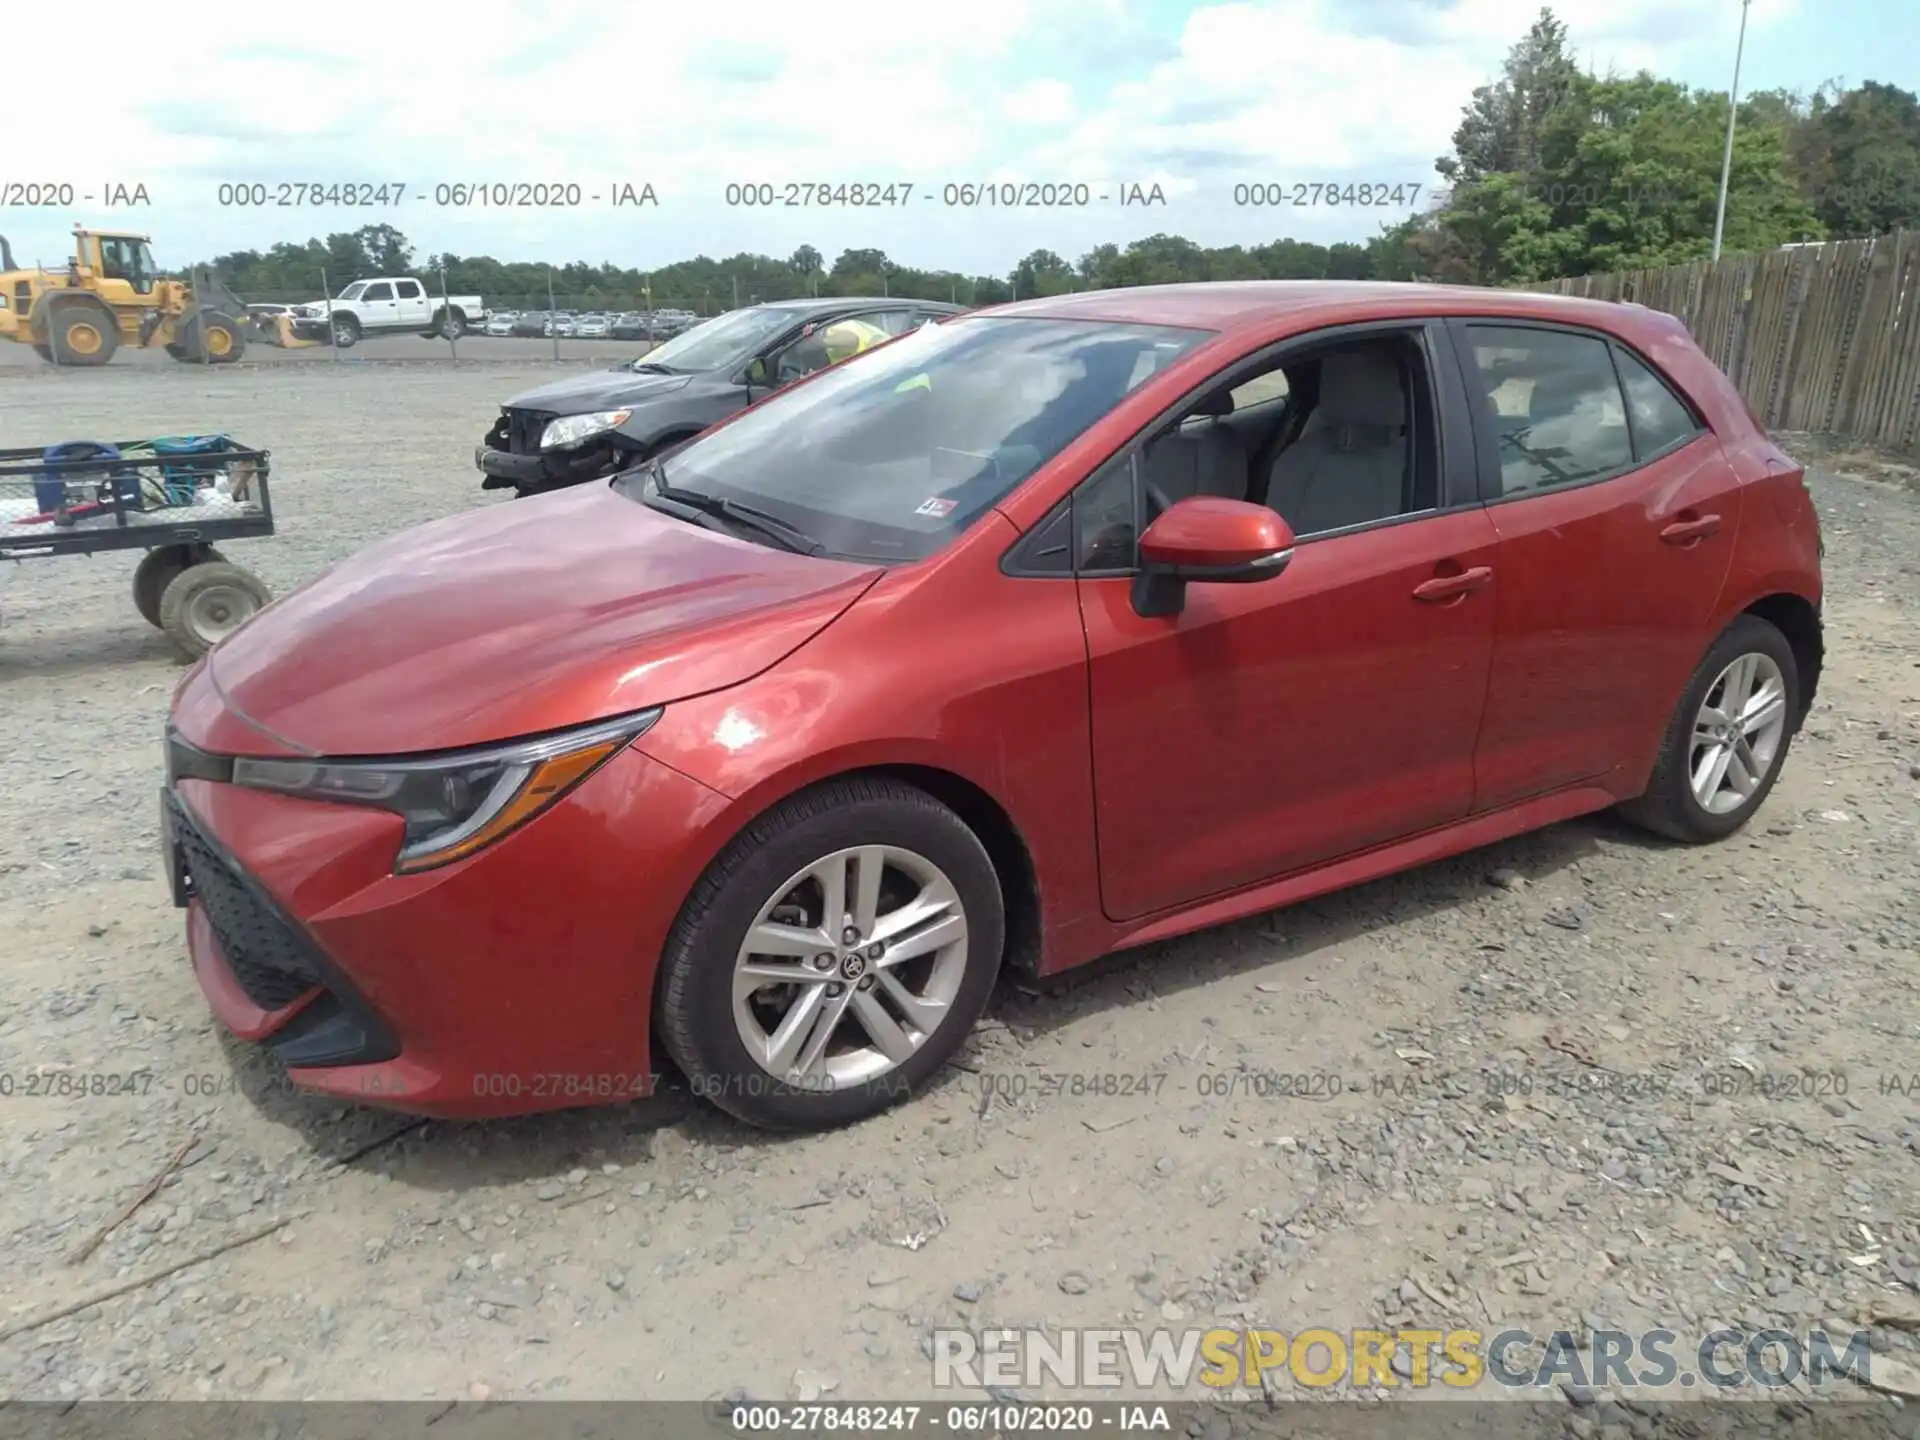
(1727, 739)
(346, 331)
(833, 958)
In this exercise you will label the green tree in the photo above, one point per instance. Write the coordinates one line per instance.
(1858, 157)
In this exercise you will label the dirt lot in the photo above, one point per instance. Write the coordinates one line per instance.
(1547, 1085)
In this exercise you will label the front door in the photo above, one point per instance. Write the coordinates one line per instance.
(1269, 727)
(378, 309)
(1616, 513)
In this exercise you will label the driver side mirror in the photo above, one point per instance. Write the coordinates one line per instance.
(1206, 539)
(757, 373)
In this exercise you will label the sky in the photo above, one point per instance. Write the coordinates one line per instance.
(1116, 96)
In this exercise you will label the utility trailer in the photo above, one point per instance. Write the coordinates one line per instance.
(172, 497)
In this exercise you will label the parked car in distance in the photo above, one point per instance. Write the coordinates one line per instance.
(588, 426)
(561, 325)
(531, 323)
(501, 322)
(1037, 634)
(592, 327)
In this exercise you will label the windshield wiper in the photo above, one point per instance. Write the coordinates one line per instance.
(655, 366)
(744, 517)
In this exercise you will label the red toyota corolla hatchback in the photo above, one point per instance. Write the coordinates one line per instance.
(1041, 633)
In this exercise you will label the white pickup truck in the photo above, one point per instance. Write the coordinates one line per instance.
(392, 305)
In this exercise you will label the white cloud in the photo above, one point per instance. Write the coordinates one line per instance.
(599, 92)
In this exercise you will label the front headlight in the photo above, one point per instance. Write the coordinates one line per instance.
(570, 430)
(455, 804)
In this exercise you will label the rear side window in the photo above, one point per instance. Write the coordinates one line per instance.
(1660, 422)
(1555, 404)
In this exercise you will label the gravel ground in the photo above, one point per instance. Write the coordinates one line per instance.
(380, 350)
(1544, 1085)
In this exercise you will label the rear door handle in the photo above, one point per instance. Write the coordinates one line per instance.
(1685, 532)
(1448, 587)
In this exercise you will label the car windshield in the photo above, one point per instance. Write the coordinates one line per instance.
(890, 455)
(721, 341)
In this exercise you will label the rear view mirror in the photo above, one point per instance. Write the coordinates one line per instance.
(1210, 540)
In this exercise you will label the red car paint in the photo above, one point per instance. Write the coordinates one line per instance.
(1149, 776)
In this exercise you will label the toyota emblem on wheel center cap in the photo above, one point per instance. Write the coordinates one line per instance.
(853, 966)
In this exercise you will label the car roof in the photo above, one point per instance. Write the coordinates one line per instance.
(818, 305)
(1237, 304)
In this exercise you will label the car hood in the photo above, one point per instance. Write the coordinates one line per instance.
(598, 390)
(519, 618)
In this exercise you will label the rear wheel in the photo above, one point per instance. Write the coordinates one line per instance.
(833, 958)
(156, 572)
(82, 335)
(449, 325)
(205, 603)
(1727, 739)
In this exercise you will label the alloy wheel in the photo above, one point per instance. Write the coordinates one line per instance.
(1737, 733)
(850, 967)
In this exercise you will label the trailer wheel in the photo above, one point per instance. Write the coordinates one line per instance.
(157, 570)
(205, 603)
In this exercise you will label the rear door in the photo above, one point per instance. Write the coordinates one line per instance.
(1616, 513)
(412, 306)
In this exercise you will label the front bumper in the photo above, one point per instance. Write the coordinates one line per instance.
(515, 981)
(547, 471)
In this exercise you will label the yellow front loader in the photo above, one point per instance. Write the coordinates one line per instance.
(112, 294)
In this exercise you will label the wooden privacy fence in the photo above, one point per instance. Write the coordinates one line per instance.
(1823, 338)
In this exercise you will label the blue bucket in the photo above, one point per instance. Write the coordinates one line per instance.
(49, 487)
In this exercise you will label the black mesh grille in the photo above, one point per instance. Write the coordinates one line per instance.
(524, 429)
(266, 957)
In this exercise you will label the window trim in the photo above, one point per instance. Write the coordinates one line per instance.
(1454, 452)
(1486, 445)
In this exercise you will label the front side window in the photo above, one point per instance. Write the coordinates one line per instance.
(892, 454)
(1555, 404)
(380, 291)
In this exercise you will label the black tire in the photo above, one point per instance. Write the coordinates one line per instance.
(45, 352)
(1669, 806)
(210, 331)
(694, 1009)
(449, 325)
(156, 572)
(81, 335)
(205, 603)
(346, 331)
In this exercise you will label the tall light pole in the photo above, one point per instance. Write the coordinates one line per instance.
(1733, 111)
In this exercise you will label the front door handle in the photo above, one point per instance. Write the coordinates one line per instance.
(1687, 532)
(1450, 587)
